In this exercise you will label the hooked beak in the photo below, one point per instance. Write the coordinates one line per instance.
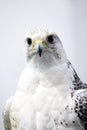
(40, 50)
(39, 44)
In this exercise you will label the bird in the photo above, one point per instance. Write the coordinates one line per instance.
(50, 94)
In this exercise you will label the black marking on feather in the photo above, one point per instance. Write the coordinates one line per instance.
(66, 124)
(81, 108)
(61, 123)
(73, 121)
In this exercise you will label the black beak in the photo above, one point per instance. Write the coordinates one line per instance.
(40, 50)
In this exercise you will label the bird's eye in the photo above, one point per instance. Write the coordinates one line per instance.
(29, 41)
(50, 38)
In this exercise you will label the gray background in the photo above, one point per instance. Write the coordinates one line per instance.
(67, 17)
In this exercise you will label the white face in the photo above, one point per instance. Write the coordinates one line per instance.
(41, 42)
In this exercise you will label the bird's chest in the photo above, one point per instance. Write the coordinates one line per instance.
(34, 79)
(51, 105)
(50, 97)
(46, 95)
(48, 89)
(45, 107)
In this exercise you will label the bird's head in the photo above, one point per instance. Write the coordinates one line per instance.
(44, 43)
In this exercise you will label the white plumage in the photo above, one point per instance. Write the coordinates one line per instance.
(44, 99)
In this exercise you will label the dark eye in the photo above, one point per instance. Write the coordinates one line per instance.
(29, 41)
(50, 38)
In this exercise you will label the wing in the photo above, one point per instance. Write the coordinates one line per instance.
(6, 114)
(80, 108)
(77, 83)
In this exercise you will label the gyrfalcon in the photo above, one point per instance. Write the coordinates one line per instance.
(50, 95)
